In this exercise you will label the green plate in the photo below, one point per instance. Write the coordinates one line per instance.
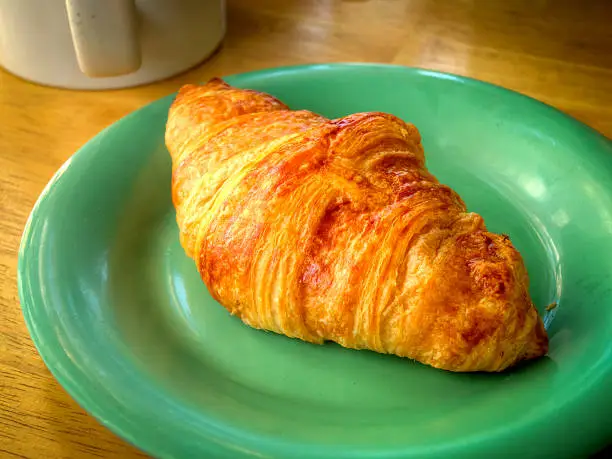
(121, 318)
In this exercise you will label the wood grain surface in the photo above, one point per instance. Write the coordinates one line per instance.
(558, 51)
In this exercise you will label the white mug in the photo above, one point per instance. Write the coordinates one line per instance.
(103, 44)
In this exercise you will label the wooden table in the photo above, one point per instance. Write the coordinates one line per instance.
(557, 51)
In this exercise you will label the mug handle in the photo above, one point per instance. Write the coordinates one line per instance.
(104, 35)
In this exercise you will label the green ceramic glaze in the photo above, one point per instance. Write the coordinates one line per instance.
(123, 321)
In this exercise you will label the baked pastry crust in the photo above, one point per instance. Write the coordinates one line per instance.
(334, 230)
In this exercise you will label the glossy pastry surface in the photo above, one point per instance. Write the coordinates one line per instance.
(334, 230)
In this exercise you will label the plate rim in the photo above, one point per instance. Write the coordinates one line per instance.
(27, 303)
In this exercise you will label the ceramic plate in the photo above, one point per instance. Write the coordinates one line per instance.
(121, 318)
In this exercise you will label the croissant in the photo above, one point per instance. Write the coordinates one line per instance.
(334, 230)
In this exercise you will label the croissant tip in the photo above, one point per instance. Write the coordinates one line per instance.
(216, 81)
(211, 83)
(186, 88)
(538, 346)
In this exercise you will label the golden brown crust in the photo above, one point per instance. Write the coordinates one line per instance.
(334, 230)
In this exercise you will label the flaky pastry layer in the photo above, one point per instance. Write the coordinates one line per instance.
(334, 230)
